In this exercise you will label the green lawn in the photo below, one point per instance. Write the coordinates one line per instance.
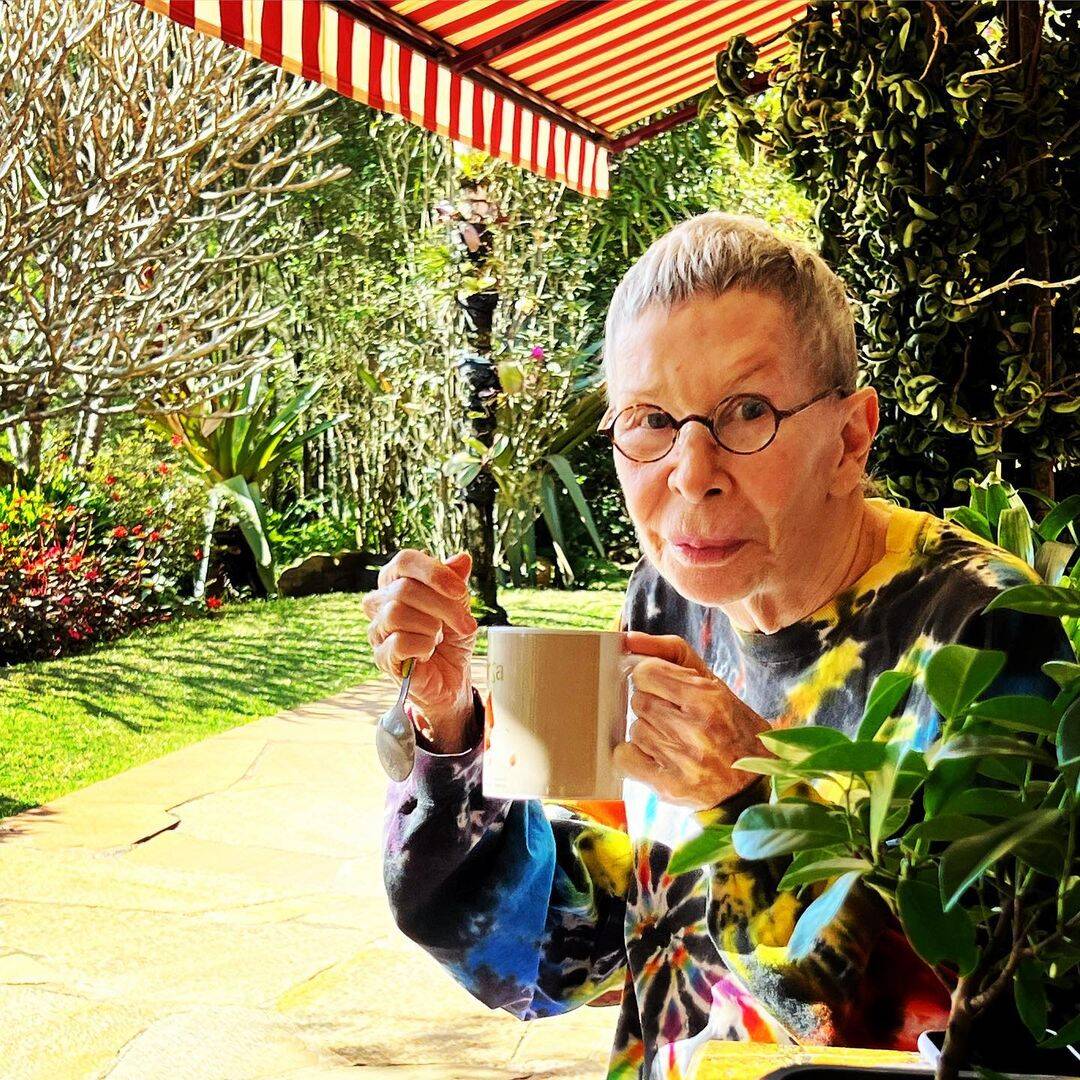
(67, 723)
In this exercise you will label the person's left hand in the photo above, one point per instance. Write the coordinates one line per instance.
(690, 726)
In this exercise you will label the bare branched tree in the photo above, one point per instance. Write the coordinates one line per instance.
(141, 170)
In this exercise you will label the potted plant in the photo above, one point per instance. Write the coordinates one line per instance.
(971, 842)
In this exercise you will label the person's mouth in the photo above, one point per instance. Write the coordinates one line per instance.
(698, 550)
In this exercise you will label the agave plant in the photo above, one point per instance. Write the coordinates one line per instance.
(235, 441)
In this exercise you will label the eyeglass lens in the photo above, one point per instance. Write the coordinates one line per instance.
(743, 425)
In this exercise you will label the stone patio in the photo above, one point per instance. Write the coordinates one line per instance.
(219, 913)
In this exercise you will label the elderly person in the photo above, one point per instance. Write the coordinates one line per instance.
(771, 591)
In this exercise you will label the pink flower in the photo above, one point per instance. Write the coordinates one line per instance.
(178, 440)
(538, 352)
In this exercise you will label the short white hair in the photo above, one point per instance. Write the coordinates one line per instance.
(715, 252)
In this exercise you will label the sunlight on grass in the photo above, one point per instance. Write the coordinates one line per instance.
(70, 722)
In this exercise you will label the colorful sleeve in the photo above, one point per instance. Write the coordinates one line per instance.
(522, 902)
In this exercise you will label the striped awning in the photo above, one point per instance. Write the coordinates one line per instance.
(553, 86)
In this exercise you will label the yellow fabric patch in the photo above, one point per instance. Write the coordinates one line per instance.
(829, 673)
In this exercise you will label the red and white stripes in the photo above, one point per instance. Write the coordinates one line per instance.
(610, 65)
(319, 42)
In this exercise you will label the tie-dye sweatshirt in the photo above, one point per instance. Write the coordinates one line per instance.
(537, 907)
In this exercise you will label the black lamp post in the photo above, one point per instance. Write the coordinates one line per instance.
(471, 217)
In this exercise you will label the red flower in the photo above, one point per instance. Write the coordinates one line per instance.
(63, 457)
(155, 535)
(136, 530)
(4, 526)
(92, 574)
(69, 509)
(120, 532)
(178, 440)
(163, 468)
(73, 633)
(110, 479)
(213, 602)
(116, 496)
(197, 553)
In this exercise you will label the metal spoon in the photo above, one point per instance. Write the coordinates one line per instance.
(395, 738)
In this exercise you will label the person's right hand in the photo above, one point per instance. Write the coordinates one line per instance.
(421, 610)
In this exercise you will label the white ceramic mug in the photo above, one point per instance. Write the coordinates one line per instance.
(555, 710)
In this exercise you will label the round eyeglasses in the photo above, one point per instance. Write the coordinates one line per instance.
(741, 424)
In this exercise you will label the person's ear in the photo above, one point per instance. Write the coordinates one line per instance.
(859, 426)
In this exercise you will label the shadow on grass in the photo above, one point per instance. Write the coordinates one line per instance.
(230, 665)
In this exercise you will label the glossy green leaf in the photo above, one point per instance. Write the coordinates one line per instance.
(997, 501)
(966, 860)
(779, 829)
(713, 844)
(1014, 534)
(820, 914)
(1018, 712)
(1051, 560)
(821, 870)
(985, 802)
(1068, 736)
(1060, 517)
(1029, 992)
(938, 936)
(956, 675)
(1057, 600)
(971, 520)
(971, 745)
(848, 757)
(886, 693)
(945, 827)
(793, 744)
(770, 766)
(1062, 672)
(573, 487)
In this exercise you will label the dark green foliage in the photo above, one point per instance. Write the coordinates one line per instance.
(941, 154)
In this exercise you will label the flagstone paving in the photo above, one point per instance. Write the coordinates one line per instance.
(219, 913)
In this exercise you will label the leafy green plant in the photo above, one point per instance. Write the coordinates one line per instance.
(235, 441)
(529, 490)
(997, 512)
(971, 842)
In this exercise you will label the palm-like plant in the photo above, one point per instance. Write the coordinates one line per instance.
(235, 441)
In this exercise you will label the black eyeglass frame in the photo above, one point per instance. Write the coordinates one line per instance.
(779, 415)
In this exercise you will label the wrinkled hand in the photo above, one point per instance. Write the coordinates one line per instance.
(690, 726)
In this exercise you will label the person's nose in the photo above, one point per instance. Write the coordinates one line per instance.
(697, 467)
